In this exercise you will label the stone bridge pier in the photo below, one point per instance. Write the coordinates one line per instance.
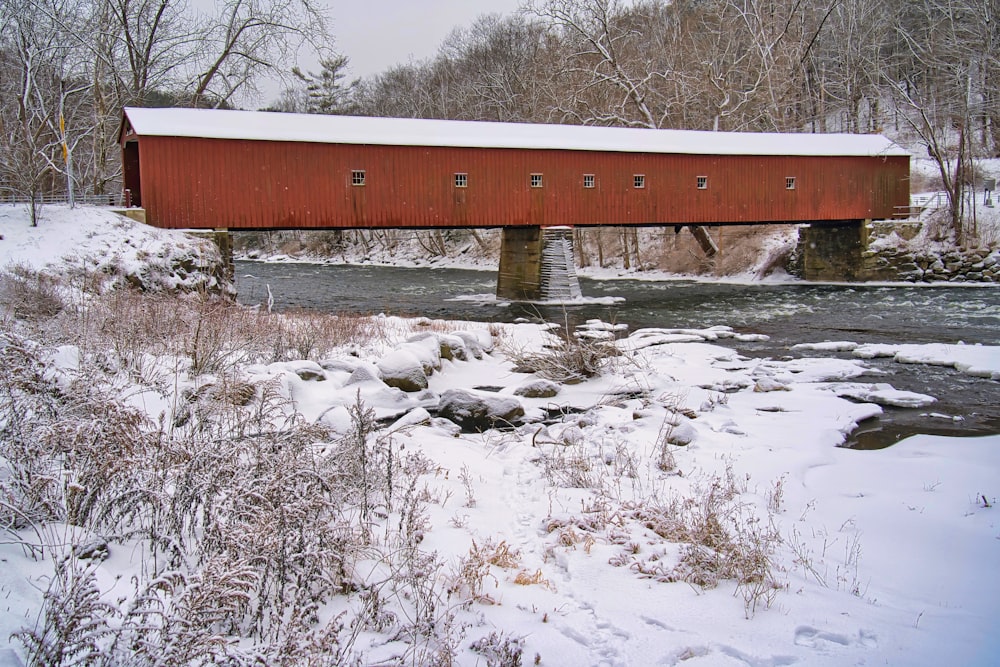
(536, 264)
(833, 251)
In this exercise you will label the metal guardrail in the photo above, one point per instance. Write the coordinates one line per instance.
(932, 200)
(46, 199)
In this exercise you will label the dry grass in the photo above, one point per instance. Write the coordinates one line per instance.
(307, 334)
(472, 572)
(212, 333)
(720, 537)
(29, 295)
(567, 359)
(243, 526)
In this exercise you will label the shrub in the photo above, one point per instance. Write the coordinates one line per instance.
(567, 359)
(30, 295)
(720, 537)
(248, 521)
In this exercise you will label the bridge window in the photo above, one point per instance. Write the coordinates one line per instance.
(588, 180)
(358, 177)
(703, 182)
(789, 182)
(461, 180)
(639, 181)
(536, 180)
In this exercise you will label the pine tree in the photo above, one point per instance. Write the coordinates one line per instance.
(326, 91)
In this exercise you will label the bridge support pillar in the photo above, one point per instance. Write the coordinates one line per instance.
(537, 265)
(224, 239)
(833, 251)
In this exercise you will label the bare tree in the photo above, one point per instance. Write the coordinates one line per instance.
(129, 52)
(943, 90)
(495, 65)
(861, 34)
(606, 87)
(145, 45)
(40, 88)
(247, 38)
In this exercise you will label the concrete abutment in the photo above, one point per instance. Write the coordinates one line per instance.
(832, 251)
(223, 240)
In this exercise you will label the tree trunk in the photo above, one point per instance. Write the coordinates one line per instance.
(625, 253)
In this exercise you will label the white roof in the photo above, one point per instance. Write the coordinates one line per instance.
(270, 126)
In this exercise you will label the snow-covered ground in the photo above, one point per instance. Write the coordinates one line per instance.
(90, 240)
(686, 505)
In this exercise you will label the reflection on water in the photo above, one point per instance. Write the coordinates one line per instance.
(788, 314)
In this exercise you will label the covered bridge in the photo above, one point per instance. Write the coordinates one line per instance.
(242, 170)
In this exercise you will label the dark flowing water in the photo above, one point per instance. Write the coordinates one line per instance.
(788, 314)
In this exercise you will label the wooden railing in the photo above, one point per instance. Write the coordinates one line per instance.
(920, 203)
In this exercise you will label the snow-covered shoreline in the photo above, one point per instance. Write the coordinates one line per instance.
(576, 533)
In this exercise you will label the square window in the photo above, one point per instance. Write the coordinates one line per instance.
(461, 180)
(536, 180)
(703, 182)
(639, 181)
(789, 182)
(588, 180)
(358, 177)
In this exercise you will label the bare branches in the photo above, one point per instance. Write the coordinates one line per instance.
(250, 37)
(598, 39)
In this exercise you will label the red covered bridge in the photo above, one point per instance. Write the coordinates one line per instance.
(240, 170)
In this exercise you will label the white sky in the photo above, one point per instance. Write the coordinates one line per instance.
(380, 33)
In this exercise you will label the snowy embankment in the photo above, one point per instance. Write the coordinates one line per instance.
(260, 493)
(93, 242)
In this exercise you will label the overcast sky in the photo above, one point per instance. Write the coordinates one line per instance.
(376, 34)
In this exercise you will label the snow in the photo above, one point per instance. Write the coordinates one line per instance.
(96, 240)
(884, 557)
(266, 126)
(883, 394)
(977, 360)
(64, 235)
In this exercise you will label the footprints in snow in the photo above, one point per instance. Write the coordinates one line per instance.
(818, 639)
(805, 636)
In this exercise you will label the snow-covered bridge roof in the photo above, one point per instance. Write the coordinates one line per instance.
(269, 126)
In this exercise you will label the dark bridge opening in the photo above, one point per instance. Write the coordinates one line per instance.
(132, 176)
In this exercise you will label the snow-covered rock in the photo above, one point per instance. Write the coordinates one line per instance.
(766, 384)
(403, 369)
(337, 418)
(883, 394)
(539, 388)
(681, 434)
(453, 347)
(309, 371)
(364, 373)
(427, 349)
(477, 341)
(412, 418)
(478, 410)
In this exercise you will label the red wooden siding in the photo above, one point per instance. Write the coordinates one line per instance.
(243, 184)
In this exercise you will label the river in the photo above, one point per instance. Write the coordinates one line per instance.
(786, 313)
